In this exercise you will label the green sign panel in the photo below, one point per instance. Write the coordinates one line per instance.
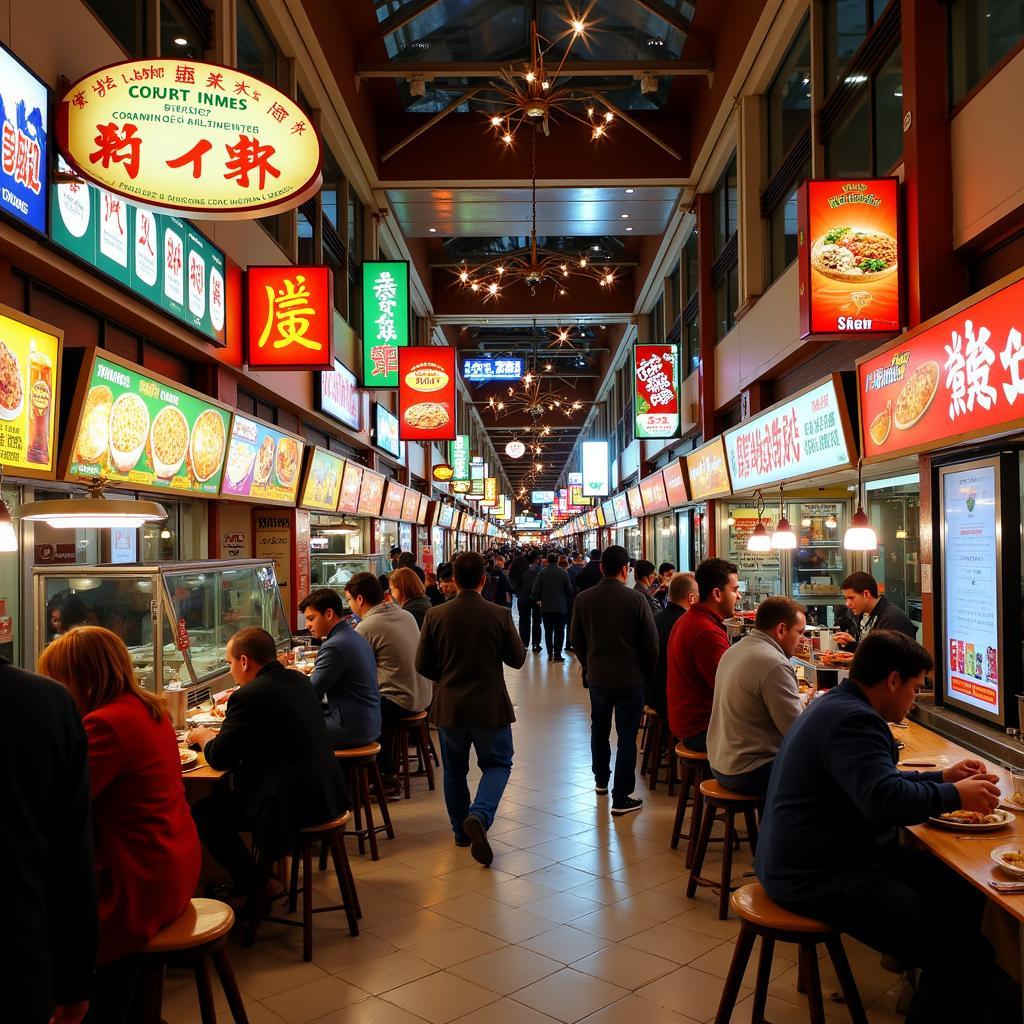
(387, 320)
(160, 258)
(459, 455)
(477, 474)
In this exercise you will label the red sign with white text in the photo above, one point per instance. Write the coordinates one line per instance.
(393, 499)
(960, 376)
(652, 490)
(656, 395)
(426, 393)
(290, 318)
(675, 483)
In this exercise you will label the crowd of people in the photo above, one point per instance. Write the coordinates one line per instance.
(108, 850)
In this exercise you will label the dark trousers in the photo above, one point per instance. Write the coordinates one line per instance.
(698, 743)
(925, 915)
(117, 994)
(390, 713)
(753, 783)
(220, 820)
(554, 632)
(494, 759)
(626, 703)
(529, 622)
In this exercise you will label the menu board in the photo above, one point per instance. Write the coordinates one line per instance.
(386, 425)
(138, 429)
(599, 517)
(656, 391)
(708, 471)
(445, 516)
(29, 393)
(351, 482)
(621, 504)
(337, 395)
(263, 463)
(635, 502)
(609, 511)
(394, 495)
(426, 393)
(371, 494)
(411, 506)
(321, 488)
(421, 514)
(675, 483)
(971, 588)
(652, 490)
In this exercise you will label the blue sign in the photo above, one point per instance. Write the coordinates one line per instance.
(23, 157)
(484, 370)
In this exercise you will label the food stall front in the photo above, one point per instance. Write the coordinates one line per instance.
(707, 479)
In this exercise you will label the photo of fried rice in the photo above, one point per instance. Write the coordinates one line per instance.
(917, 394)
(849, 254)
(207, 448)
(12, 387)
(287, 460)
(168, 441)
(426, 415)
(129, 428)
(264, 463)
(881, 425)
(94, 433)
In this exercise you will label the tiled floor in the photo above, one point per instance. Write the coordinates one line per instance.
(581, 918)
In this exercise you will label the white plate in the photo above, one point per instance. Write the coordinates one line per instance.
(191, 759)
(997, 853)
(1011, 806)
(958, 826)
(204, 719)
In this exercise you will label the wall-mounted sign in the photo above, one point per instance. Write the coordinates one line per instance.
(209, 141)
(635, 501)
(263, 463)
(351, 482)
(460, 454)
(321, 488)
(24, 108)
(599, 517)
(482, 370)
(656, 390)
(652, 490)
(394, 496)
(386, 427)
(336, 394)
(411, 506)
(142, 431)
(596, 482)
(445, 516)
(848, 247)
(490, 492)
(621, 503)
(387, 320)
(424, 510)
(675, 483)
(801, 436)
(29, 393)
(156, 256)
(608, 508)
(542, 497)
(707, 469)
(426, 393)
(371, 494)
(289, 318)
(959, 376)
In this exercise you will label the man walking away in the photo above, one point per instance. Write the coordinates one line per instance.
(462, 646)
(682, 596)
(553, 592)
(590, 575)
(616, 641)
(529, 613)
(578, 565)
(502, 585)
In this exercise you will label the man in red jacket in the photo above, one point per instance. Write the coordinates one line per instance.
(696, 644)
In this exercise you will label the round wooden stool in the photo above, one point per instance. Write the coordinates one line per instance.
(360, 766)
(195, 939)
(413, 729)
(719, 801)
(759, 916)
(693, 770)
(654, 737)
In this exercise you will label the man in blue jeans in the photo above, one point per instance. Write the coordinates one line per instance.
(463, 645)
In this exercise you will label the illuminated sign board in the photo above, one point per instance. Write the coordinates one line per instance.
(24, 164)
(386, 424)
(387, 320)
(426, 393)
(596, 481)
(481, 370)
(289, 318)
(337, 395)
(656, 391)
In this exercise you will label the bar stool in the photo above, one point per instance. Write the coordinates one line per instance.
(360, 767)
(719, 800)
(760, 916)
(193, 940)
(651, 763)
(414, 729)
(693, 771)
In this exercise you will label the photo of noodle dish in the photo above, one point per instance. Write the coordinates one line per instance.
(94, 433)
(264, 463)
(286, 460)
(168, 442)
(851, 255)
(129, 428)
(207, 448)
(12, 387)
(241, 457)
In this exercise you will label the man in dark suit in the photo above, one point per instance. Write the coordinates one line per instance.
(274, 742)
(529, 613)
(616, 641)
(553, 591)
(48, 942)
(462, 645)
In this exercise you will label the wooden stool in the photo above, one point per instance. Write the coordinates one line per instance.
(759, 916)
(651, 763)
(718, 799)
(692, 772)
(360, 766)
(641, 735)
(195, 939)
(413, 729)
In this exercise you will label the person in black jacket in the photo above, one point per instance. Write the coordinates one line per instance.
(590, 574)
(274, 743)
(502, 585)
(553, 592)
(49, 937)
(869, 611)
(529, 613)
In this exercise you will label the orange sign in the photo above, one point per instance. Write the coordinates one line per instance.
(708, 471)
(848, 241)
(675, 483)
(290, 318)
(652, 490)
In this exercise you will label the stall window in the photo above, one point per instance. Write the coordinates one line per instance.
(657, 321)
(848, 150)
(782, 228)
(692, 345)
(981, 34)
(125, 20)
(725, 272)
(894, 506)
(307, 250)
(725, 203)
(726, 301)
(666, 546)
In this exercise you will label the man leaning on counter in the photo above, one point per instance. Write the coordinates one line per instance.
(870, 611)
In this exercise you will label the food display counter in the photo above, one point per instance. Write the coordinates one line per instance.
(175, 619)
(334, 571)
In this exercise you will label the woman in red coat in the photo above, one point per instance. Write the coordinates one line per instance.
(146, 847)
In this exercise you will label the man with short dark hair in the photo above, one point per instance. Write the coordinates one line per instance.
(502, 586)
(529, 612)
(462, 646)
(446, 581)
(616, 642)
(553, 592)
(590, 575)
(645, 577)
(829, 846)
(756, 698)
(682, 596)
(660, 589)
(407, 560)
(870, 611)
(698, 641)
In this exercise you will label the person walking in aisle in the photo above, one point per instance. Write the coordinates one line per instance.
(590, 574)
(553, 592)
(462, 646)
(529, 612)
(616, 641)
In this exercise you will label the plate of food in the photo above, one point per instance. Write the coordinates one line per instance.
(12, 386)
(916, 396)
(1010, 858)
(839, 659)
(853, 255)
(264, 463)
(207, 445)
(973, 821)
(189, 759)
(168, 441)
(286, 460)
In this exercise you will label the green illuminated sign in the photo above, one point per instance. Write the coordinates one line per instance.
(459, 455)
(386, 320)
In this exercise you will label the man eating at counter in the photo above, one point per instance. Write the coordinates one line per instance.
(870, 611)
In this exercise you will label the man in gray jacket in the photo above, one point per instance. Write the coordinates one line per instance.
(552, 590)
(756, 698)
(616, 641)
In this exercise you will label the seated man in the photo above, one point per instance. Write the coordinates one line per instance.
(274, 743)
(756, 699)
(869, 610)
(829, 841)
(345, 674)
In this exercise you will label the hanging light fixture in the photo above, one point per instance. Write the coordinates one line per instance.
(759, 540)
(94, 512)
(783, 539)
(8, 535)
(861, 535)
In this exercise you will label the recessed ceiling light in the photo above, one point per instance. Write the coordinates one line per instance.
(596, 248)
(630, 191)
(624, 216)
(433, 231)
(180, 41)
(655, 42)
(629, 228)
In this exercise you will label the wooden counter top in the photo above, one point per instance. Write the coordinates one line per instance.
(204, 771)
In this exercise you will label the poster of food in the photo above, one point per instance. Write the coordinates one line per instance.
(29, 393)
(321, 488)
(351, 482)
(708, 472)
(656, 390)
(848, 247)
(371, 494)
(421, 514)
(138, 429)
(411, 506)
(426, 393)
(394, 497)
(263, 463)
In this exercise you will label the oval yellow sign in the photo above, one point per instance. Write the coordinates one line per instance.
(427, 377)
(206, 140)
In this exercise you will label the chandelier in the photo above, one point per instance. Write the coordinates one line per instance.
(535, 400)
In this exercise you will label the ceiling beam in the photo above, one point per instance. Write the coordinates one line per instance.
(570, 69)
(427, 125)
(403, 17)
(669, 15)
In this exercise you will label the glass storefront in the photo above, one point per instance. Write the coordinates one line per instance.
(894, 507)
(665, 546)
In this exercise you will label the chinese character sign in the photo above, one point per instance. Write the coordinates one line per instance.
(209, 141)
(23, 155)
(290, 318)
(483, 370)
(386, 321)
(848, 242)
(426, 394)
(656, 390)
(459, 455)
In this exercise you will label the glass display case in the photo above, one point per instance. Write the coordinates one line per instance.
(334, 571)
(175, 619)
